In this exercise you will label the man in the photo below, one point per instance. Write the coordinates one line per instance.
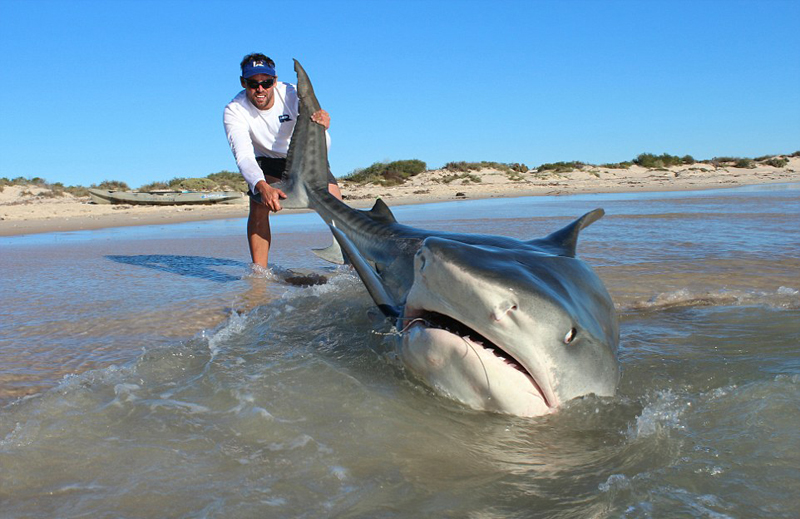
(258, 123)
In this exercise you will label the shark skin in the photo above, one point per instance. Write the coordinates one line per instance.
(499, 324)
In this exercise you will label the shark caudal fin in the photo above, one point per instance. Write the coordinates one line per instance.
(307, 160)
(565, 240)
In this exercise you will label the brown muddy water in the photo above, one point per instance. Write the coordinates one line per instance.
(150, 372)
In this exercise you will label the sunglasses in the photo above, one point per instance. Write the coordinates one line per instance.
(253, 84)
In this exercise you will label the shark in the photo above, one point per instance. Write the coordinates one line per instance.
(503, 325)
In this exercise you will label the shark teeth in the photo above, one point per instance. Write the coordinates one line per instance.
(445, 322)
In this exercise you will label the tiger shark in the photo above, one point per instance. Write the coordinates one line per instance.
(499, 324)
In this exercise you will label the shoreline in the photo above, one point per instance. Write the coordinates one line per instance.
(27, 209)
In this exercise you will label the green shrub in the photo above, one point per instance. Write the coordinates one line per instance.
(175, 182)
(777, 163)
(461, 166)
(618, 165)
(154, 186)
(196, 184)
(466, 178)
(745, 163)
(719, 161)
(560, 167)
(112, 185)
(388, 174)
(665, 160)
(230, 180)
(57, 189)
(77, 191)
(465, 167)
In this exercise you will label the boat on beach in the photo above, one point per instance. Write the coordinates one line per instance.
(101, 196)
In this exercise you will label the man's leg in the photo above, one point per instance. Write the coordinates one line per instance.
(259, 235)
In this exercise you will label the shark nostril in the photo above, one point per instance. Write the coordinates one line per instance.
(501, 311)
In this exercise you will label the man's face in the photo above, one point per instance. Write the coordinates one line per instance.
(261, 97)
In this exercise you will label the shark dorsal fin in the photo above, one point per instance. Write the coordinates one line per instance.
(381, 213)
(566, 239)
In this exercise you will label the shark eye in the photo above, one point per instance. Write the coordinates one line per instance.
(570, 336)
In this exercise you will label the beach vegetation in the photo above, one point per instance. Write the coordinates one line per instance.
(387, 173)
(154, 186)
(618, 165)
(78, 191)
(745, 163)
(229, 181)
(112, 185)
(776, 162)
(560, 167)
(466, 167)
(195, 184)
(665, 160)
(465, 178)
(718, 161)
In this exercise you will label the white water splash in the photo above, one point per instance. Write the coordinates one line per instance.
(658, 416)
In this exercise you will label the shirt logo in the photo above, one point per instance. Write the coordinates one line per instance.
(285, 117)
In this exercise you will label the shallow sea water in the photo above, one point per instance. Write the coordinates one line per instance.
(150, 372)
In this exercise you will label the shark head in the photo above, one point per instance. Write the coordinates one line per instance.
(508, 326)
(503, 325)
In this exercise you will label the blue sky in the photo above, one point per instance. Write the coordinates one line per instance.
(134, 90)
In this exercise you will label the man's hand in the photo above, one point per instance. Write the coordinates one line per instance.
(322, 117)
(270, 196)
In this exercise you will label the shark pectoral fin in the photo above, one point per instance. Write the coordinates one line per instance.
(369, 277)
(566, 238)
(332, 253)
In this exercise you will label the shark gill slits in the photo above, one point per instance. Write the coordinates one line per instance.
(570, 336)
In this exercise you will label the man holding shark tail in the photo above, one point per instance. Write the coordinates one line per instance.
(259, 123)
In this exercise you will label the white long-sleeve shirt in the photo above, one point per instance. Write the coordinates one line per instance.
(261, 133)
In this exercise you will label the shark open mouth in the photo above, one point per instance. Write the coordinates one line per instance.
(444, 322)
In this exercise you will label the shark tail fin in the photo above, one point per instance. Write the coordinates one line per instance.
(566, 239)
(307, 160)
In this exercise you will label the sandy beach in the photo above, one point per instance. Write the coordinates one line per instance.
(33, 209)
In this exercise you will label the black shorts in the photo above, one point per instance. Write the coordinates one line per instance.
(273, 171)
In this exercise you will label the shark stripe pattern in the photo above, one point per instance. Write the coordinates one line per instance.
(499, 324)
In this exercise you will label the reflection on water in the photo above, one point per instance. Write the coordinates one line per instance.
(193, 266)
(174, 380)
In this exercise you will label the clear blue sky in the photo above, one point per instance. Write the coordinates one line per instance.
(134, 90)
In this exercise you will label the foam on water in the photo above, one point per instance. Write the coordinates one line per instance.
(782, 297)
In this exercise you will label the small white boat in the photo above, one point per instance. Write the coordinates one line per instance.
(100, 196)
